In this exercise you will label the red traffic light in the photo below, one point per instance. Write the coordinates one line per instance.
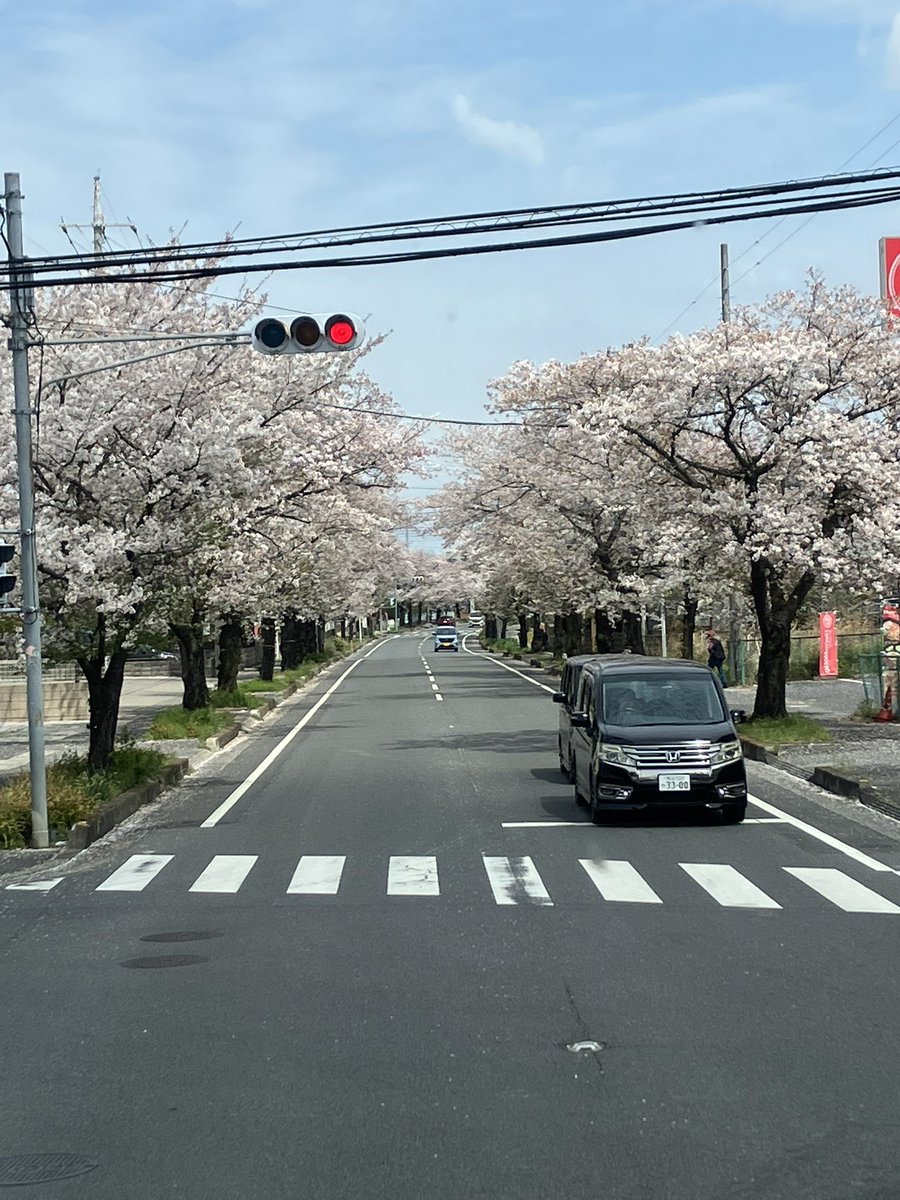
(340, 330)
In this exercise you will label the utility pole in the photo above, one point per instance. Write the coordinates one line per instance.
(98, 224)
(735, 663)
(20, 302)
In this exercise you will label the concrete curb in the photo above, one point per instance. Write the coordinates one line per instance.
(82, 834)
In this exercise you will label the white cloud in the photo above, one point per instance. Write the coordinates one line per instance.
(509, 137)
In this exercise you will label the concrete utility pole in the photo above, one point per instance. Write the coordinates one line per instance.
(20, 302)
(726, 283)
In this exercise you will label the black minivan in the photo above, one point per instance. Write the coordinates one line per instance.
(655, 731)
(565, 698)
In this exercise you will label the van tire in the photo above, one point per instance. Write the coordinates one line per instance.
(598, 815)
(733, 814)
(579, 799)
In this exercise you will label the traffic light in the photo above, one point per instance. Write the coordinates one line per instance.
(310, 333)
(7, 581)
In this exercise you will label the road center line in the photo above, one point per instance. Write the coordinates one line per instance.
(227, 804)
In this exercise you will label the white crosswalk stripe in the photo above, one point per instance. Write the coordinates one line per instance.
(413, 875)
(135, 873)
(512, 881)
(225, 873)
(516, 881)
(848, 894)
(728, 886)
(317, 875)
(619, 881)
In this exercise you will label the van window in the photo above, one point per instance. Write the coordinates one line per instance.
(585, 693)
(570, 687)
(662, 699)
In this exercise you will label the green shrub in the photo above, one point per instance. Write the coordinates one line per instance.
(73, 792)
(239, 698)
(180, 723)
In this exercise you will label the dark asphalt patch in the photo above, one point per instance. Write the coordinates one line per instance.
(183, 935)
(164, 960)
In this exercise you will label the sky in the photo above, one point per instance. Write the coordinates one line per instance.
(210, 116)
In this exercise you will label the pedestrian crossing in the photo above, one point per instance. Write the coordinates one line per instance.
(505, 880)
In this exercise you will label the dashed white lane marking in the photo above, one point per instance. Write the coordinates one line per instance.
(317, 875)
(413, 875)
(135, 873)
(848, 894)
(616, 880)
(728, 886)
(227, 804)
(516, 881)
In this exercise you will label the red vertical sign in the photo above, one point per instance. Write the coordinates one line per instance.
(828, 659)
(889, 254)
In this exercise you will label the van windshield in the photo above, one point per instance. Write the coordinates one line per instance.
(662, 699)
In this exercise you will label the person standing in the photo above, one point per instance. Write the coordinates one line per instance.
(716, 653)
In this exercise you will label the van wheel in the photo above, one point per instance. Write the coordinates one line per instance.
(579, 799)
(598, 815)
(733, 814)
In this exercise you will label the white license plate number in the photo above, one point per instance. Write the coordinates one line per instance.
(670, 782)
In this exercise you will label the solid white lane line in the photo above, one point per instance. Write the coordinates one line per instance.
(848, 894)
(36, 885)
(728, 886)
(135, 873)
(317, 875)
(616, 880)
(227, 804)
(521, 674)
(515, 881)
(225, 873)
(836, 844)
(413, 875)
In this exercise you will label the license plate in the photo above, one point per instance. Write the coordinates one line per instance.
(674, 783)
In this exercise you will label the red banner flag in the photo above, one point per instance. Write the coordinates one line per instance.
(828, 657)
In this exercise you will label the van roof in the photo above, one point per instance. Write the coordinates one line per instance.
(644, 662)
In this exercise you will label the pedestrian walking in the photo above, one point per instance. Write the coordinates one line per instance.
(716, 653)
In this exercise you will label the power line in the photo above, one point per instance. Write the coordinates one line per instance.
(802, 207)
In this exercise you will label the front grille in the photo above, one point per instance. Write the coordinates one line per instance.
(681, 756)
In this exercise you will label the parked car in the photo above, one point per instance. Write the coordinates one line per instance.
(565, 698)
(446, 638)
(149, 654)
(655, 731)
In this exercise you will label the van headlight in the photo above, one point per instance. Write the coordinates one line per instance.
(613, 754)
(725, 752)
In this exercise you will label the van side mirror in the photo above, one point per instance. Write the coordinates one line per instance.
(738, 715)
(580, 720)
(558, 697)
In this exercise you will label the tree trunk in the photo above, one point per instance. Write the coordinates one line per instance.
(558, 636)
(632, 637)
(573, 633)
(370, 626)
(523, 630)
(775, 613)
(320, 636)
(193, 664)
(291, 652)
(307, 639)
(419, 614)
(231, 642)
(104, 696)
(604, 632)
(504, 622)
(689, 626)
(490, 627)
(267, 665)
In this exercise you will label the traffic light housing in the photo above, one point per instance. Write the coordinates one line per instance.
(7, 581)
(309, 333)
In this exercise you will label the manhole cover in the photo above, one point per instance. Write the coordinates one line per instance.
(165, 960)
(183, 935)
(18, 1169)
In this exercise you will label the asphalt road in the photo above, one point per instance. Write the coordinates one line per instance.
(395, 939)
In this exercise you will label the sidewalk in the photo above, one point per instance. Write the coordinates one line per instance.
(861, 761)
